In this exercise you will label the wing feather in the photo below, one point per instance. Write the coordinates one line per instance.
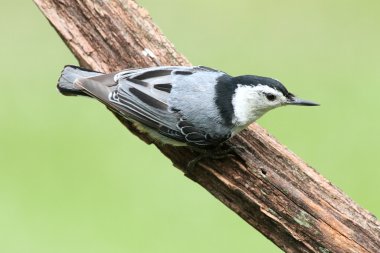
(142, 95)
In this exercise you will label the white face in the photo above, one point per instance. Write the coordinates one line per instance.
(251, 102)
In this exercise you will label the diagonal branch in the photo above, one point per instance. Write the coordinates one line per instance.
(267, 185)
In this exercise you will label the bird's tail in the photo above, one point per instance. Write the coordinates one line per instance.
(66, 82)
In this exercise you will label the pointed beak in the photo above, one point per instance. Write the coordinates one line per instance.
(298, 101)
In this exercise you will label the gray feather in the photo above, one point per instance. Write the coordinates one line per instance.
(70, 74)
(169, 98)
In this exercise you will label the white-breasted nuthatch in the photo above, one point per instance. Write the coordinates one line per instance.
(182, 106)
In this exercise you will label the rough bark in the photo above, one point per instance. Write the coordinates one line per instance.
(267, 185)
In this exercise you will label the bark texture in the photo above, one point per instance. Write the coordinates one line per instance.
(267, 185)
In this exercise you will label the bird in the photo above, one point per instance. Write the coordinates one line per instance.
(194, 106)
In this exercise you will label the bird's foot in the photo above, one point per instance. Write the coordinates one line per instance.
(215, 154)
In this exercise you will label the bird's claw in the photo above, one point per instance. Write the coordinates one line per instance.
(214, 154)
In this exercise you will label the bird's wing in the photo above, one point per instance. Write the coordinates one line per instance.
(143, 94)
(196, 137)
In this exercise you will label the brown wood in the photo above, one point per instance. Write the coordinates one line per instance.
(267, 185)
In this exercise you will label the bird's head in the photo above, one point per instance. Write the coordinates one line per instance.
(255, 95)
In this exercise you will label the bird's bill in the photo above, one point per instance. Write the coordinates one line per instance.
(300, 101)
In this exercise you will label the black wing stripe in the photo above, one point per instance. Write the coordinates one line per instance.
(183, 72)
(130, 107)
(126, 101)
(167, 87)
(134, 111)
(148, 99)
(153, 73)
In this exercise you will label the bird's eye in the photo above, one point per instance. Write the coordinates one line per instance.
(270, 97)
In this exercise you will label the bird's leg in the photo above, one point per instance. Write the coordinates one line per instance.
(234, 149)
(194, 162)
(216, 153)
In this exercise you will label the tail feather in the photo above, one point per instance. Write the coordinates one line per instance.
(66, 83)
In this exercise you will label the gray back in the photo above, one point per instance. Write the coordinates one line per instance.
(194, 96)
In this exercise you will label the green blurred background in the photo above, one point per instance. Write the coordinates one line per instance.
(72, 179)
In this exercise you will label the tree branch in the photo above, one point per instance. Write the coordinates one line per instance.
(267, 185)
